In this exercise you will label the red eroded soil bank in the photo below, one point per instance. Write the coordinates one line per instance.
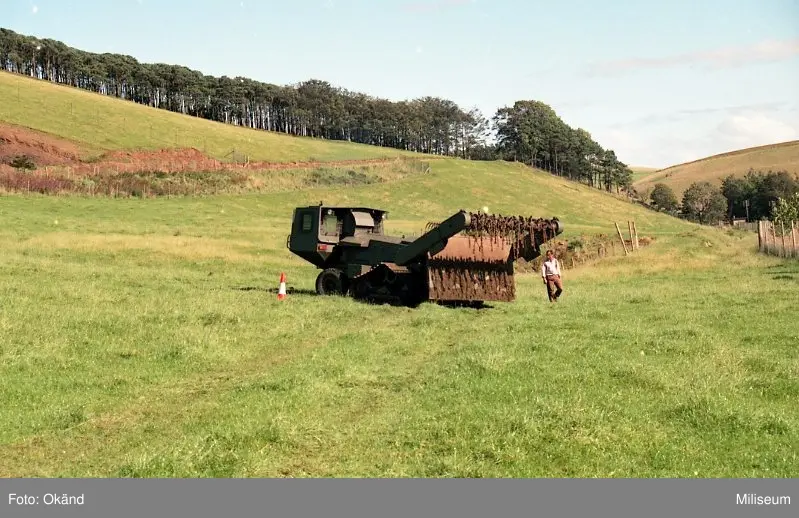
(55, 154)
(41, 148)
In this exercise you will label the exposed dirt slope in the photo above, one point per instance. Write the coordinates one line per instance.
(53, 153)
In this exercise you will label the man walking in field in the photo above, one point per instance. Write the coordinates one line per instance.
(550, 272)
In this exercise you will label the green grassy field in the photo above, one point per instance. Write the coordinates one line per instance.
(141, 338)
(102, 123)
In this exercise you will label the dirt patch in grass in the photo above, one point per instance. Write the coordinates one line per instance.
(42, 149)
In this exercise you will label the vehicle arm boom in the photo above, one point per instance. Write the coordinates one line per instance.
(435, 240)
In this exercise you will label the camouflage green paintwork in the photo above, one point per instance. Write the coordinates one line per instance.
(348, 238)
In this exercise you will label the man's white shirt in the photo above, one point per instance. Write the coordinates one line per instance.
(551, 267)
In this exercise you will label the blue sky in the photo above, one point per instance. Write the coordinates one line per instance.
(659, 82)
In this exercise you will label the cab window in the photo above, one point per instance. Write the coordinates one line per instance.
(330, 225)
(307, 222)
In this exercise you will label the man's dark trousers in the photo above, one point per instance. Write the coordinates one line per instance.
(554, 287)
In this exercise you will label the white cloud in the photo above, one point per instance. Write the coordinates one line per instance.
(35, 9)
(636, 149)
(766, 51)
(620, 139)
(668, 138)
(755, 129)
(695, 114)
(419, 49)
(435, 5)
(684, 141)
(647, 150)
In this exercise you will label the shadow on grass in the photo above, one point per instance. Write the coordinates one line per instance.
(289, 291)
(790, 267)
(414, 305)
(312, 293)
(466, 305)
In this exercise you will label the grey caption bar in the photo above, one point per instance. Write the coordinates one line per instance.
(355, 498)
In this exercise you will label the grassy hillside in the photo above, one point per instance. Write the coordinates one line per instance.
(103, 123)
(641, 172)
(777, 157)
(143, 340)
(505, 188)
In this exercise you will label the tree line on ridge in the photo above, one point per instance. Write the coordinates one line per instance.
(528, 131)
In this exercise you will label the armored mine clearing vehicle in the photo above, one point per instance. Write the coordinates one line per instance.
(468, 257)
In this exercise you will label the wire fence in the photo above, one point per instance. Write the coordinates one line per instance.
(585, 250)
(750, 226)
(147, 177)
(779, 239)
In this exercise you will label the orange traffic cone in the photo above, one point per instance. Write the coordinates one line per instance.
(281, 292)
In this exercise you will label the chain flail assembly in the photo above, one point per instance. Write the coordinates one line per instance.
(524, 234)
(479, 262)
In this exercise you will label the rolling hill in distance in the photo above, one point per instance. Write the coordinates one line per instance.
(776, 157)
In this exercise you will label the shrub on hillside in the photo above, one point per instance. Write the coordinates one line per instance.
(19, 181)
(23, 162)
(704, 202)
(755, 194)
(324, 177)
(663, 197)
(786, 210)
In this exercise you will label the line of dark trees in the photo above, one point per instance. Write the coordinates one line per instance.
(753, 196)
(529, 131)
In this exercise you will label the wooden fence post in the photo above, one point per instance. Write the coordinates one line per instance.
(760, 236)
(773, 238)
(793, 239)
(635, 229)
(632, 238)
(784, 251)
(621, 238)
(773, 233)
(767, 224)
